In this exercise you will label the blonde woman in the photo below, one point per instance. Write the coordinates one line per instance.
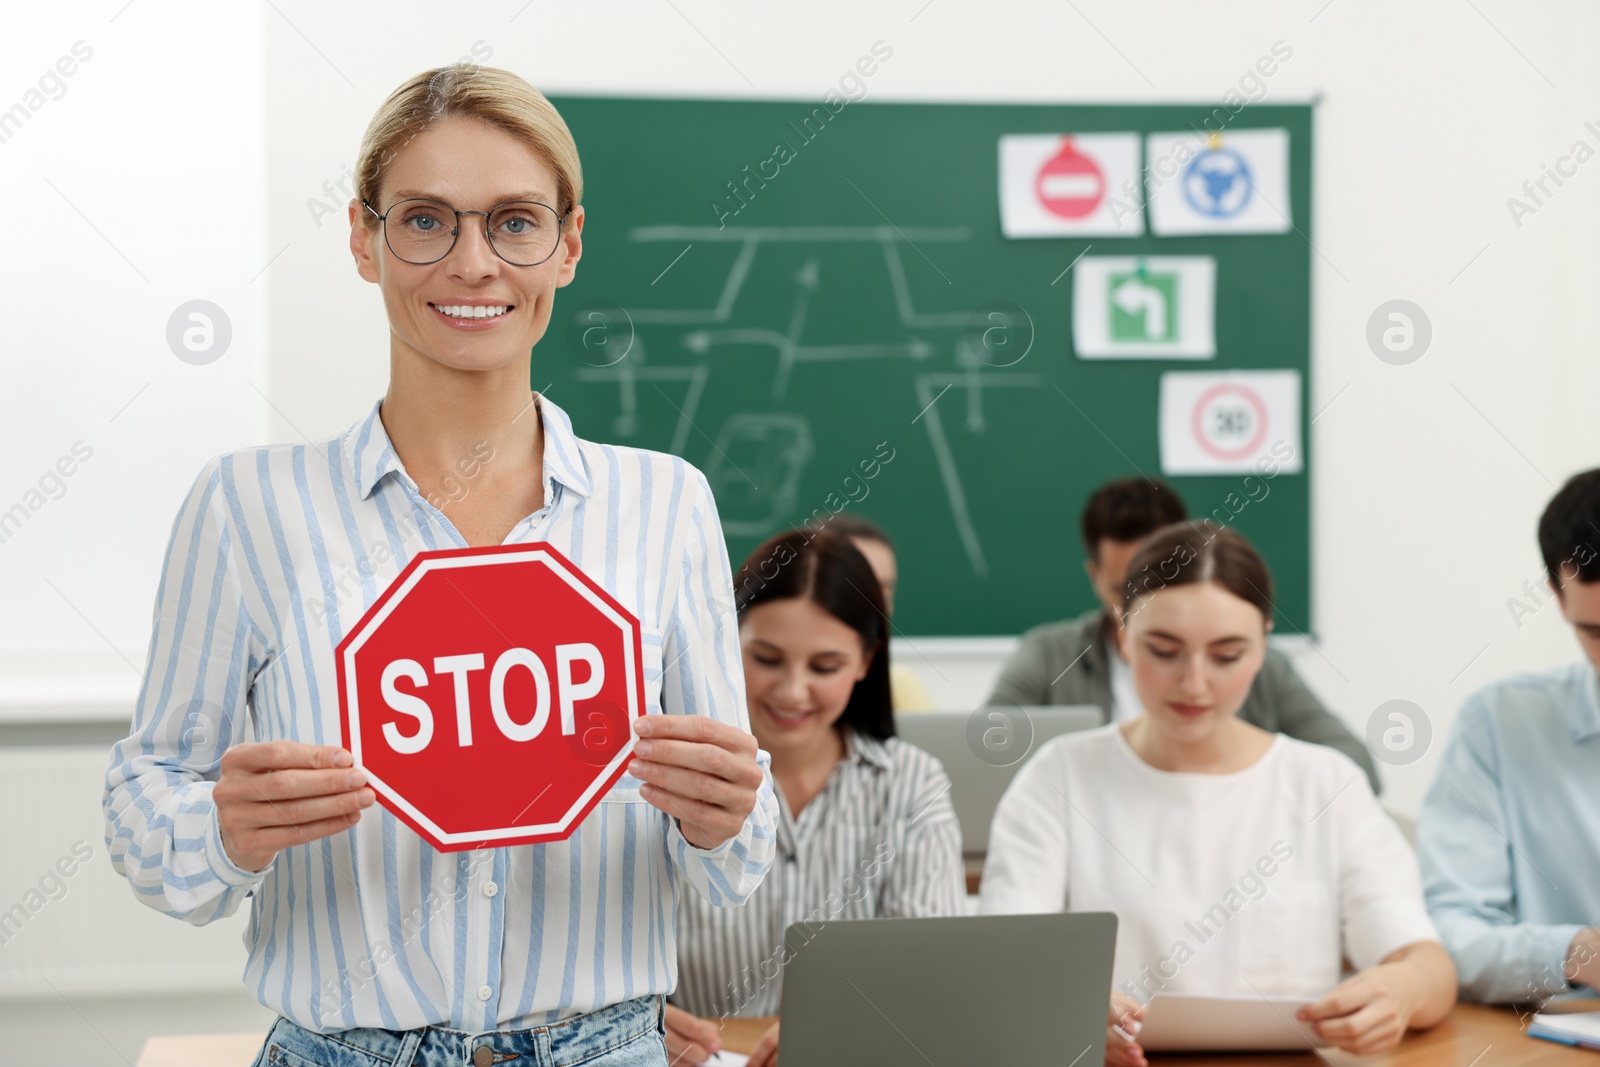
(1237, 860)
(369, 944)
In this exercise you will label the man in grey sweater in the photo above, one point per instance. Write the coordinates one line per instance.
(1076, 661)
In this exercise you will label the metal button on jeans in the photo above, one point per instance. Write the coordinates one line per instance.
(482, 1056)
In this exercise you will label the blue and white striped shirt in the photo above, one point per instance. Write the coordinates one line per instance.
(275, 554)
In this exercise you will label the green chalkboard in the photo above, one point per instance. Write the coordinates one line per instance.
(824, 327)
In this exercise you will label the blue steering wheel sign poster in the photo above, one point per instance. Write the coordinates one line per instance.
(1217, 182)
(1236, 181)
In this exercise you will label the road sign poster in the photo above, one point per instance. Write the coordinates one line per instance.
(1155, 307)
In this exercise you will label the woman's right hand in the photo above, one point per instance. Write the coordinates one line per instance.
(1121, 1051)
(273, 794)
(690, 1040)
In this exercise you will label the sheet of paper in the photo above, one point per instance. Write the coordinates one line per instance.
(1070, 185)
(1234, 182)
(1160, 307)
(1231, 422)
(1582, 1027)
(1180, 1022)
(728, 1059)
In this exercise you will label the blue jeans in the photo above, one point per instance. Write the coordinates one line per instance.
(629, 1034)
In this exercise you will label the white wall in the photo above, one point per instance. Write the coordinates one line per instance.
(134, 179)
(133, 175)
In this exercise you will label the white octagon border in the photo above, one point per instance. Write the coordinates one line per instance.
(353, 713)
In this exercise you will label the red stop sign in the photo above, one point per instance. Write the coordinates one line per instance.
(489, 695)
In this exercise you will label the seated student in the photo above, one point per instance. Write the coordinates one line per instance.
(905, 687)
(1075, 661)
(1510, 829)
(865, 824)
(1236, 860)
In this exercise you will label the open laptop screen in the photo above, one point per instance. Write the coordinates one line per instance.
(981, 751)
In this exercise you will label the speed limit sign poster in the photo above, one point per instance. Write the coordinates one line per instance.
(1223, 423)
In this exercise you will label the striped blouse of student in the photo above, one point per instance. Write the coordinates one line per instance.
(866, 828)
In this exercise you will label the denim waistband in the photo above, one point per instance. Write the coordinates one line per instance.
(572, 1040)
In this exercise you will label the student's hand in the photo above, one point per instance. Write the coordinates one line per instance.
(766, 1053)
(1122, 1019)
(1413, 987)
(1367, 1012)
(273, 794)
(1583, 958)
(690, 1040)
(701, 772)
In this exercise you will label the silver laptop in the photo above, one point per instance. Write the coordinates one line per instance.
(981, 751)
(980, 989)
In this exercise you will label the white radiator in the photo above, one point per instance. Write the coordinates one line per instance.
(86, 932)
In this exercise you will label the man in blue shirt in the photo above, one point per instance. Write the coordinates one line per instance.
(1509, 835)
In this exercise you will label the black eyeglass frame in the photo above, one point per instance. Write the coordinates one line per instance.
(455, 232)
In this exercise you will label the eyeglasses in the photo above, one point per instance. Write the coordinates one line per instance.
(521, 232)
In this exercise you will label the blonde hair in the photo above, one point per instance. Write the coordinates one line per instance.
(489, 94)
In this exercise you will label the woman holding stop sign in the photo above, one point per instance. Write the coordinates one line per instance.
(370, 944)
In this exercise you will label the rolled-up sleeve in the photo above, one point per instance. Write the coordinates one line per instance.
(161, 823)
(704, 675)
(1465, 852)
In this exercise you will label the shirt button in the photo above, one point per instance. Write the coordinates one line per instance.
(484, 992)
(490, 889)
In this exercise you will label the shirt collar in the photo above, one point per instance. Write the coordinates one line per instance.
(1586, 716)
(370, 455)
(860, 748)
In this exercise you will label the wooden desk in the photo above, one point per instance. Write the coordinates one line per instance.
(1469, 1032)
(973, 865)
(741, 1035)
(201, 1050)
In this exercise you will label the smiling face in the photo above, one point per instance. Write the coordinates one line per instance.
(472, 166)
(800, 666)
(1194, 651)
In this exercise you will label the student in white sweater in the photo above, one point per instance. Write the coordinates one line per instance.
(1236, 860)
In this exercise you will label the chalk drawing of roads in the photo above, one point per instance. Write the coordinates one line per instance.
(628, 373)
(787, 344)
(777, 446)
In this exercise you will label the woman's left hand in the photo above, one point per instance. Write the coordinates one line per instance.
(1367, 1012)
(702, 772)
(766, 1052)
